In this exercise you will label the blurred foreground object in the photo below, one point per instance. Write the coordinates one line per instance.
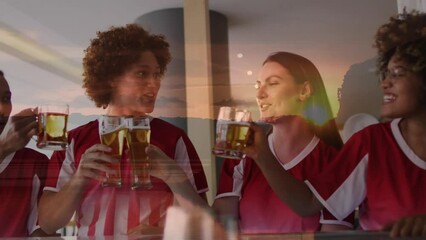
(196, 224)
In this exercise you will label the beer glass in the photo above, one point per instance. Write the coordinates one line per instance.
(112, 132)
(52, 127)
(231, 132)
(138, 138)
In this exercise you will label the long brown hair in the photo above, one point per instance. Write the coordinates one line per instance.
(317, 108)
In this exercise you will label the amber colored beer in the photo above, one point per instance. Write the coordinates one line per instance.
(52, 130)
(236, 137)
(231, 139)
(138, 139)
(115, 141)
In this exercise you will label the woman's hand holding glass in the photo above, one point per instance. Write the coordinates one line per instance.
(231, 132)
(257, 144)
(94, 163)
(163, 167)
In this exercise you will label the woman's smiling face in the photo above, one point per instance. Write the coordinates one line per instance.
(402, 91)
(278, 94)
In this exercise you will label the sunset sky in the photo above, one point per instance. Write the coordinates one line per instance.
(314, 32)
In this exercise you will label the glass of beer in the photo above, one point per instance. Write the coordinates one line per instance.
(112, 131)
(52, 127)
(231, 132)
(138, 138)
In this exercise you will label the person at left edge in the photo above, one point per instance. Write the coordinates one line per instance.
(123, 69)
(22, 170)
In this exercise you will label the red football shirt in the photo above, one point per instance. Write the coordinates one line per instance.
(380, 174)
(261, 210)
(114, 211)
(22, 176)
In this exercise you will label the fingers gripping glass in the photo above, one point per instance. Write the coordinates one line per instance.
(138, 138)
(112, 132)
(52, 123)
(232, 132)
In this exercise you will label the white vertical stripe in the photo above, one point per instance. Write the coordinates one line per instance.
(238, 178)
(6, 161)
(82, 230)
(237, 182)
(103, 205)
(121, 213)
(182, 157)
(177, 221)
(349, 195)
(68, 167)
(87, 210)
(144, 210)
(32, 219)
(163, 209)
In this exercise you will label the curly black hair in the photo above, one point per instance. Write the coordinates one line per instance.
(405, 36)
(112, 52)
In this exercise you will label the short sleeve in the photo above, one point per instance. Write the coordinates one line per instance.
(231, 178)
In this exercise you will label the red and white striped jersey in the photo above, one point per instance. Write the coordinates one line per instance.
(114, 211)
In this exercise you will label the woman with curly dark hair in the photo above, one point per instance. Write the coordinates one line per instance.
(123, 69)
(382, 168)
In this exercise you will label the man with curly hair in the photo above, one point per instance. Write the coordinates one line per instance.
(123, 69)
(384, 170)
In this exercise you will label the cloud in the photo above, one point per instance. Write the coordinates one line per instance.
(78, 119)
(170, 102)
(82, 101)
(234, 102)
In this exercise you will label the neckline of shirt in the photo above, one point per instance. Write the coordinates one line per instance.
(409, 153)
(302, 154)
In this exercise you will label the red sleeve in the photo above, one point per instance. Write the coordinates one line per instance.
(54, 168)
(42, 165)
(341, 187)
(196, 166)
(231, 178)
(177, 145)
